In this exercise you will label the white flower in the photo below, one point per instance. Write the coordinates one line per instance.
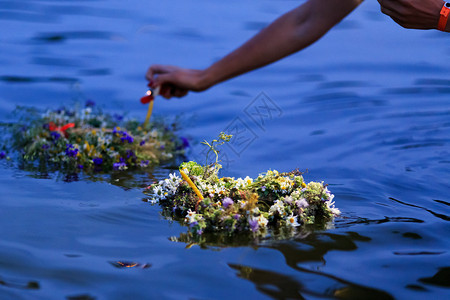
(173, 177)
(262, 221)
(278, 206)
(190, 217)
(242, 203)
(158, 192)
(291, 220)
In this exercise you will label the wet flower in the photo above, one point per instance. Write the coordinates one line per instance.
(97, 161)
(120, 166)
(71, 151)
(301, 203)
(253, 223)
(130, 153)
(227, 202)
(55, 135)
(262, 221)
(118, 117)
(185, 142)
(190, 216)
(277, 207)
(291, 220)
(126, 137)
(89, 103)
(144, 163)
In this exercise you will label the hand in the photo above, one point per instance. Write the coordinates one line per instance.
(414, 14)
(175, 81)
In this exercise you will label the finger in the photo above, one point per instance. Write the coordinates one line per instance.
(165, 91)
(162, 80)
(177, 92)
(157, 69)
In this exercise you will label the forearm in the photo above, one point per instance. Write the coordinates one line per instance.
(288, 34)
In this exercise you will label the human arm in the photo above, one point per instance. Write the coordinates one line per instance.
(414, 14)
(288, 34)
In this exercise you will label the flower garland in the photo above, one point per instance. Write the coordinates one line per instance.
(269, 203)
(85, 138)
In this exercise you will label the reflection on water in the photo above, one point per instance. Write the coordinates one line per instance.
(317, 284)
(365, 109)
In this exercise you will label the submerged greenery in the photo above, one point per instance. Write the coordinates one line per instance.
(85, 138)
(273, 204)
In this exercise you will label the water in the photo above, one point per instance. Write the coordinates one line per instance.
(366, 109)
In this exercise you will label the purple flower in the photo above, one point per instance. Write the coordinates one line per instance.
(144, 163)
(97, 161)
(90, 103)
(126, 137)
(80, 167)
(45, 146)
(227, 202)
(301, 203)
(185, 142)
(119, 166)
(2, 155)
(236, 216)
(118, 117)
(253, 222)
(130, 153)
(142, 143)
(71, 151)
(55, 135)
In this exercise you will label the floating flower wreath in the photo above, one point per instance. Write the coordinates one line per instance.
(269, 204)
(86, 138)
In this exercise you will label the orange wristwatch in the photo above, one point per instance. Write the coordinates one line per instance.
(445, 12)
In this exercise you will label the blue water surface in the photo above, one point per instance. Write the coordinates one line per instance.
(366, 110)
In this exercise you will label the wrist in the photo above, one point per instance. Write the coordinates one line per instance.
(206, 79)
(444, 16)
